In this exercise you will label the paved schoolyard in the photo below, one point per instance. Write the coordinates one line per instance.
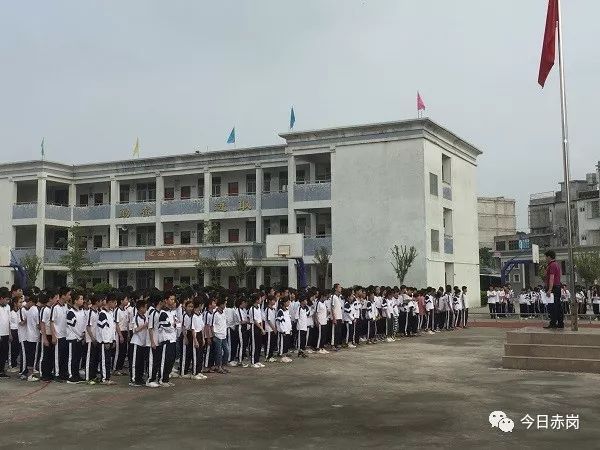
(432, 391)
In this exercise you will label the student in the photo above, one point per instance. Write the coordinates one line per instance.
(523, 304)
(219, 337)
(270, 337)
(5, 336)
(349, 322)
(284, 329)
(370, 317)
(491, 299)
(58, 330)
(321, 323)
(121, 320)
(412, 319)
(75, 333)
(32, 337)
(302, 326)
(47, 300)
(356, 315)
(154, 355)
(386, 316)
(167, 339)
(596, 301)
(256, 331)
(198, 341)
(465, 306)
(337, 304)
(457, 307)
(92, 346)
(209, 354)
(294, 313)
(185, 363)
(105, 335)
(239, 335)
(140, 343)
(14, 349)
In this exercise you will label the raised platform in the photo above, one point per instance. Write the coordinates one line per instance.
(556, 350)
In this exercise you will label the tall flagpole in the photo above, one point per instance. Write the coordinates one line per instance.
(567, 175)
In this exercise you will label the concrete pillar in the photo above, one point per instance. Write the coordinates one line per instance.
(160, 193)
(72, 197)
(206, 281)
(40, 232)
(157, 279)
(259, 189)
(113, 233)
(292, 276)
(113, 278)
(313, 275)
(312, 172)
(207, 190)
(260, 276)
(313, 225)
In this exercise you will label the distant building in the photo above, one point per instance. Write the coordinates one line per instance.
(496, 216)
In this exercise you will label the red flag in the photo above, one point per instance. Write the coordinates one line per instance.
(549, 45)
(420, 103)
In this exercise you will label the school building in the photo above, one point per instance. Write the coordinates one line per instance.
(356, 191)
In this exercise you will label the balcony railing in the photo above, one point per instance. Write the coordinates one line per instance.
(53, 255)
(58, 212)
(448, 245)
(21, 252)
(312, 244)
(94, 212)
(24, 211)
(178, 207)
(447, 191)
(136, 209)
(312, 191)
(274, 200)
(242, 202)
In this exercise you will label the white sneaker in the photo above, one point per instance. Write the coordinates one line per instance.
(351, 346)
(174, 375)
(285, 359)
(108, 383)
(164, 384)
(308, 350)
(271, 359)
(389, 340)
(152, 384)
(13, 370)
(323, 351)
(261, 364)
(232, 364)
(32, 378)
(256, 366)
(245, 365)
(199, 377)
(430, 332)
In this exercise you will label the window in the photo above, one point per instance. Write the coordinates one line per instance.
(251, 184)
(267, 183)
(516, 277)
(446, 169)
(301, 225)
(266, 228)
(250, 231)
(595, 209)
(200, 187)
(144, 279)
(233, 235)
(97, 241)
(435, 241)
(513, 245)
(168, 238)
(216, 187)
(124, 193)
(186, 237)
(184, 281)
(232, 188)
(200, 233)
(96, 281)
(267, 276)
(300, 176)
(583, 237)
(186, 192)
(200, 277)
(123, 238)
(145, 236)
(146, 192)
(433, 184)
(283, 226)
(122, 279)
(283, 181)
(169, 193)
(500, 246)
(83, 199)
(98, 198)
(215, 232)
(251, 278)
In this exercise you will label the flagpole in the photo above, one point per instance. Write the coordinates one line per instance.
(567, 175)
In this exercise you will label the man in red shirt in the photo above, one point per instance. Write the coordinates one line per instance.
(553, 286)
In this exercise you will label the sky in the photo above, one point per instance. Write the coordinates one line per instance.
(92, 76)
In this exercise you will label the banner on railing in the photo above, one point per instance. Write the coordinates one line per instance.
(171, 254)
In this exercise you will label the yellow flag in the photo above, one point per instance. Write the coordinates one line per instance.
(136, 148)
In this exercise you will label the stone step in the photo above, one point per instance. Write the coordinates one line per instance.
(551, 364)
(553, 351)
(584, 337)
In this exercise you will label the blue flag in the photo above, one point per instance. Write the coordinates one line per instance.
(292, 118)
(231, 138)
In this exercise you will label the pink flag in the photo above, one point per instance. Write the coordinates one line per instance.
(420, 103)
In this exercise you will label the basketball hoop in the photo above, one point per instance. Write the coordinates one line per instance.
(283, 251)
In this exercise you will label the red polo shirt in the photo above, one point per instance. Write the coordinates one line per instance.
(553, 269)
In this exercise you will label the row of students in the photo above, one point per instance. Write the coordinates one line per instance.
(75, 337)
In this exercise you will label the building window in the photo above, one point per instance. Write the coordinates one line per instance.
(251, 183)
(168, 238)
(215, 232)
(594, 209)
(435, 240)
(267, 276)
(186, 237)
(233, 235)
(301, 225)
(200, 187)
(251, 278)
(123, 238)
(513, 245)
(83, 199)
(283, 181)
(145, 236)
(169, 193)
(200, 233)
(96, 280)
(283, 226)
(122, 279)
(200, 277)
(250, 231)
(97, 241)
(146, 192)
(583, 237)
(501, 246)
(144, 279)
(124, 193)
(266, 228)
(267, 183)
(184, 281)
(446, 169)
(433, 184)
(516, 277)
(98, 198)
(300, 176)
(186, 192)
(216, 187)
(232, 188)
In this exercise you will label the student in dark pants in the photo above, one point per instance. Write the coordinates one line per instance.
(553, 286)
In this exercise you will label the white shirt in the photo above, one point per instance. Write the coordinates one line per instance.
(58, 316)
(197, 323)
(270, 316)
(303, 316)
(166, 326)
(336, 306)
(321, 312)
(92, 322)
(33, 321)
(491, 295)
(4, 320)
(219, 324)
(14, 320)
(22, 324)
(140, 337)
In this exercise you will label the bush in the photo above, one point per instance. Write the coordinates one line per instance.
(102, 288)
(483, 298)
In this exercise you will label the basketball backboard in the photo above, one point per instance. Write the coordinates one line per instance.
(285, 245)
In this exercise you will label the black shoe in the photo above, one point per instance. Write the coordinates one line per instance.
(3, 375)
(560, 326)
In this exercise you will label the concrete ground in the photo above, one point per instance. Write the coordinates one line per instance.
(432, 391)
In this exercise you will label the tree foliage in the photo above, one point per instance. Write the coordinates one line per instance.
(587, 266)
(321, 260)
(403, 259)
(76, 257)
(241, 268)
(32, 264)
(486, 258)
(209, 263)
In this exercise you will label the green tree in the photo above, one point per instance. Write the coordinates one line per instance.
(587, 266)
(321, 260)
(76, 257)
(542, 266)
(241, 268)
(32, 264)
(209, 263)
(403, 259)
(486, 257)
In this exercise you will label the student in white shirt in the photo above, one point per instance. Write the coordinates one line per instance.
(321, 323)
(284, 330)
(337, 304)
(239, 335)
(121, 320)
(48, 299)
(198, 341)
(256, 331)
(58, 328)
(491, 299)
(92, 345)
(14, 350)
(596, 301)
(167, 339)
(349, 321)
(5, 336)
(140, 345)
(105, 335)
(75, 333)
(302, 326)
(270, 338)
(465, 306)
(32, 339)
(187, 337)
(219, 338)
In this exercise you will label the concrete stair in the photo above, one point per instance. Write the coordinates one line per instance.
(555, 350)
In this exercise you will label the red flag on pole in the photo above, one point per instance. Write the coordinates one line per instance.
(420, 103)
(549, 45)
